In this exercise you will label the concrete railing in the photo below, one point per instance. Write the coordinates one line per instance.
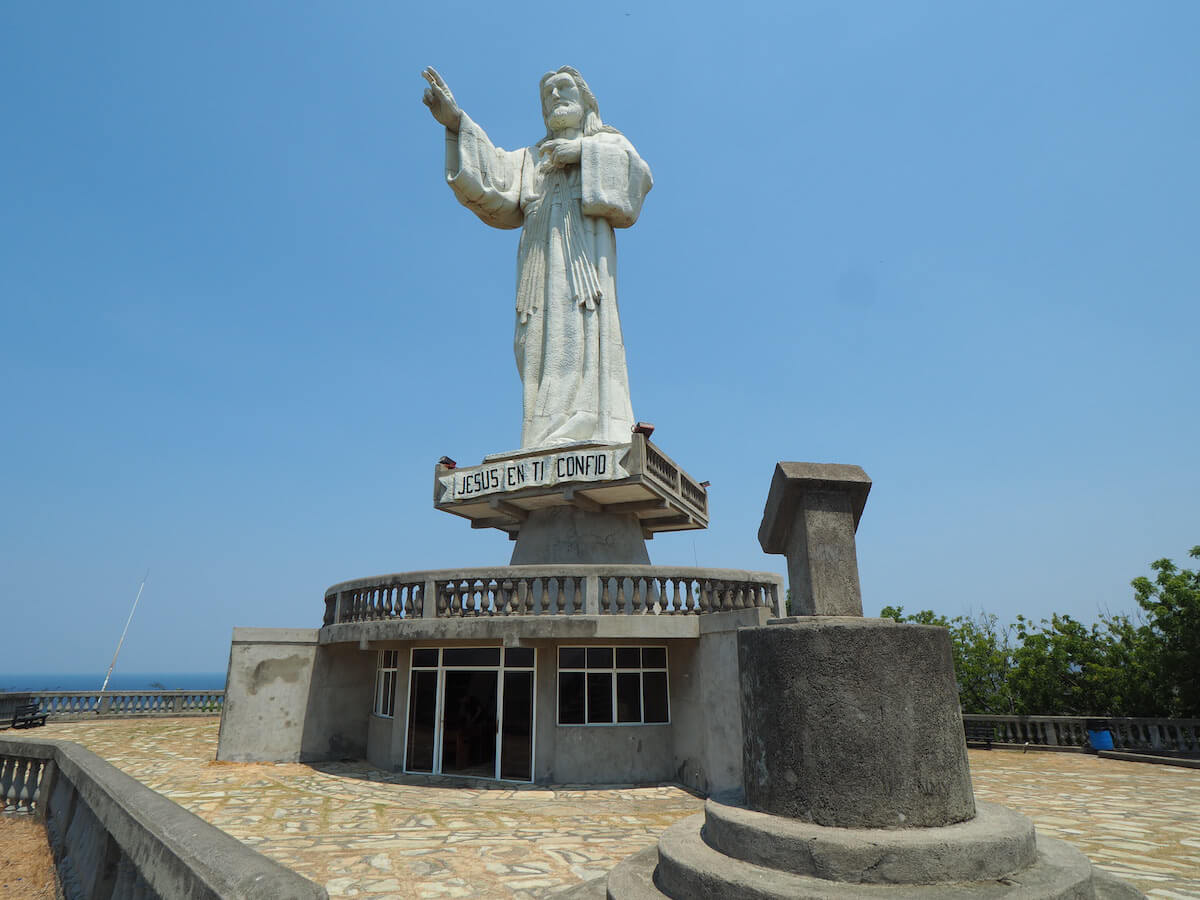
(112, 836)
(83, 704)
(1135, 734)
(552, 590)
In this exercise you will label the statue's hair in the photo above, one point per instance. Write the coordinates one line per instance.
(592, 123)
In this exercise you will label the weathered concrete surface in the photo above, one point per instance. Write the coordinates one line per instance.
(113, 836)
(566, 534)
(598, 754)
(610, 754)
(690, 868)
(513, 631)
(996, 843)
(289, 699)
(706, 703)
(811, 515)
(853, 723)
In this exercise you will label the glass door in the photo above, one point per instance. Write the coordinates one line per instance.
(471, 712)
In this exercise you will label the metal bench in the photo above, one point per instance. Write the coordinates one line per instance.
(979, 733)
(26, 715)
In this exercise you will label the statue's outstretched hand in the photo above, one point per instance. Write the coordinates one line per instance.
(439, 99)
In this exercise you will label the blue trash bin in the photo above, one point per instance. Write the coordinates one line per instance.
(1100, 740)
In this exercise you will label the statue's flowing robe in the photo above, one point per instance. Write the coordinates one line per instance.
(568, 342)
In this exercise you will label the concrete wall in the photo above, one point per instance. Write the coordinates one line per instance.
(594, 754)
(706, 704)
(385, 737)
(701, 748)
(289, 699)
(339, 704)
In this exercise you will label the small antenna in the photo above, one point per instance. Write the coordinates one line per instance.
(125, 631)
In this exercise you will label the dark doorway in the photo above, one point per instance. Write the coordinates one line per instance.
(469, 723)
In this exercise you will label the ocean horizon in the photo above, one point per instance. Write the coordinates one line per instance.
(120, 681)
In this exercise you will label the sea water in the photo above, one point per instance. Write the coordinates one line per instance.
(120, 681)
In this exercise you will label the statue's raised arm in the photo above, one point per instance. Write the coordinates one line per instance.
(568, 192)
(439, 99)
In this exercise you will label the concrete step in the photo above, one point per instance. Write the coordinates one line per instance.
(689, 869)
(996, 843)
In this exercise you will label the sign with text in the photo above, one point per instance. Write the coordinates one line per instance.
(593, 464)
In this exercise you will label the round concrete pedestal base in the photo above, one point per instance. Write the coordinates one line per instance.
(997, 842)
(685, 867)
(853, 723)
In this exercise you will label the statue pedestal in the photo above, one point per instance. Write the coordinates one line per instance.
(853, 723)
(581, 503)
(855, 773)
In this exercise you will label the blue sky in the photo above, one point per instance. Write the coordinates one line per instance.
(243, 316)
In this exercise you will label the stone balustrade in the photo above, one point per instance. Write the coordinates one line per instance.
(552, 590)
(1176, 736)
(75, 704)
(20, 781)
(112, 836)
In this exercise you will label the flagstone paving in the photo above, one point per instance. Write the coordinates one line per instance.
(362, 832)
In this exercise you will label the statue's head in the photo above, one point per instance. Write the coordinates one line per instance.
(568, 102)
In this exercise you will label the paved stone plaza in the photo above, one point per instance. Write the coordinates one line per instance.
(362, 832)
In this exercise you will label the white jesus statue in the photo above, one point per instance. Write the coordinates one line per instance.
(568, 192)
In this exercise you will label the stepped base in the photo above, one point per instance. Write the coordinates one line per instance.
(685, 866)
(996, 843)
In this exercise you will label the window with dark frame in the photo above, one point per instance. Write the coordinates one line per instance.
(612, 686)
(385, 683)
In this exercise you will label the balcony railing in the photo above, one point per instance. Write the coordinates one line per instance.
(569, 590)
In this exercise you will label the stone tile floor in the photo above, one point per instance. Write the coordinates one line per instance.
(366, 833)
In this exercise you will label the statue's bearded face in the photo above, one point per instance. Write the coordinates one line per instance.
(562, 103)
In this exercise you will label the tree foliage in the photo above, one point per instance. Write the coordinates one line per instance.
(1059, 666)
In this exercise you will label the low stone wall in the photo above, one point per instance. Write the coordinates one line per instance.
(114, 704)
(114, 837)
(1139, 735)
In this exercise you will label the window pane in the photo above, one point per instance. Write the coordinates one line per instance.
(599, 695)
(654, 696)
(389, 658)
(389, 693)
(425, 658)
(570, 698)
(629, 658)
(629, 696)
(654, 657)
(599, 657)
(519, 657)
(571, 657)
(470, 656)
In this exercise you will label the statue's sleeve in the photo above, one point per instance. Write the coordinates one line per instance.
(484, 178)
(615, 179)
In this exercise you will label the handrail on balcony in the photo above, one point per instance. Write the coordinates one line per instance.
(552, 590)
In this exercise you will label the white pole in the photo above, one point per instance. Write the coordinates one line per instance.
(125, 631)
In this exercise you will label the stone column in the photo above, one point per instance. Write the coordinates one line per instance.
(853, 723)
(811, 516)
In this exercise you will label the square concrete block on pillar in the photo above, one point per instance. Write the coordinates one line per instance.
(811, 516)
